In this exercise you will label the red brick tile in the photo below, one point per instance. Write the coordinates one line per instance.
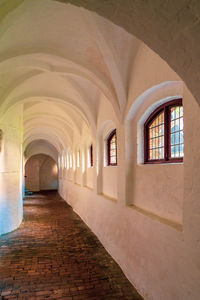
(54, 255)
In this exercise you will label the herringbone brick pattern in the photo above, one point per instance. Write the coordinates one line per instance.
(54, 255)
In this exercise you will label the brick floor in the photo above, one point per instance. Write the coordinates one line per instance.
(54, 255)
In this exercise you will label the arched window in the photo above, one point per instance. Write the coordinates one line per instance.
(163, 134)
(91, 155)
(112, 148)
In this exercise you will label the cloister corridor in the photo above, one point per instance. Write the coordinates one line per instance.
(100, 101)
(54, 255)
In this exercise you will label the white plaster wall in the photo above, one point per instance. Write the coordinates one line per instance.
(159, 189)
(107, 121)
(155, 188)
(78, 175)
(70, 174)
(89, 174)
(191, 205)
(148, 70)
(159, 258)
(134, 240)
(109, 182)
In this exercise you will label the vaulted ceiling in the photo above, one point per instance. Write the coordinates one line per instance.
(58, 59)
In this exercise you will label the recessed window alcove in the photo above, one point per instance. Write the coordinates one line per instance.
(154, 169)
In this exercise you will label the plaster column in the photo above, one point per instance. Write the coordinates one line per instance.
(84, 166)
(99, 164)
(191, 207)
(129, 162)
(73, 168)
(95, 166)
(121, 173)
(11, 171)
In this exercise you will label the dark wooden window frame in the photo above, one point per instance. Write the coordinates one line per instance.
(167, 142)
(109, 148)
(91, 156)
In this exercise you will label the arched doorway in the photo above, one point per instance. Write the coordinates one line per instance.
(41, 173)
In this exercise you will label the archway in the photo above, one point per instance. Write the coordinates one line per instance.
(41, 173)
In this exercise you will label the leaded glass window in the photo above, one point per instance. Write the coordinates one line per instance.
(91, 155)
(164, 135)
(112, 148)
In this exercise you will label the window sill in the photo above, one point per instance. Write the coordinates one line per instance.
(109, 197)
(89, 188)
(158, 162)
(153, 216)
(161, 164)
(69, 180)
(107, 166)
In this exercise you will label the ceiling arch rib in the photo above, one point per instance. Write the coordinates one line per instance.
(89, 95)
(144, 21)
(56, 110)
(57, 104)
(62, 131)
(8, 86)
(45, 137)
(161, 27)
(40, 147)
(109, 58)
(38, 64)
(64, 120)
(60, 107)
(48, 62)
(50, 134)
(27, 89)
(52, 122)
(48, 84)
(54, 126)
